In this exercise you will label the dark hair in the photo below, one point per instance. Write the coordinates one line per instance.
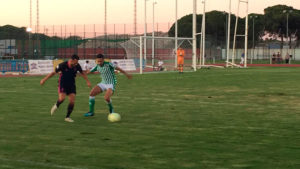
(100, 56)
(87, 61)
(75, 57)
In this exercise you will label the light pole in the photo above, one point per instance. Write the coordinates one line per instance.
(228, 34)
(253, 31)
(176, 32)
(145, 33)
(225, 31)
(287, 23)
(29, 29)
(153, 29)
(105, 26)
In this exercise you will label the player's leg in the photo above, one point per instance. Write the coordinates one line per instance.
(180, 68)
(94, 92)
(109, 92)
(72, 97)
(60, 100)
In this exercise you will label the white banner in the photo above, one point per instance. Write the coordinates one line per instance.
(40, 66)
(127, 65)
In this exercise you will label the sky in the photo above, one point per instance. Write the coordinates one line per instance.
(120, 12)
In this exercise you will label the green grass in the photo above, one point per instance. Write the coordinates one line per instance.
(212, 118)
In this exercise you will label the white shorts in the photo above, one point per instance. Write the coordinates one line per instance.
(104, 87)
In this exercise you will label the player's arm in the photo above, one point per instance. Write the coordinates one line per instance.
(57, 69)
(47, 77)
(86, 79)
(129, 76)
(94, 69)
(83, 74)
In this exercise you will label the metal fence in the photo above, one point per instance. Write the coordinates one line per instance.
(61, 41)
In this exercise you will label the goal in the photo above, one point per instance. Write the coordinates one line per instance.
(157, 54)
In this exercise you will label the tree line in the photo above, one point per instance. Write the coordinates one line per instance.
(270, 26)
(262, 27)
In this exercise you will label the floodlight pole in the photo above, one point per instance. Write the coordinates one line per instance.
(105, 26)
(30, 15)
(235, 31)
(194, 33)
(153, 45)
(145, 33)
(141, 55)
(228, 33)
(203, 32)
(253, 40)
(287, 23)
(176, 32)
(246, 35)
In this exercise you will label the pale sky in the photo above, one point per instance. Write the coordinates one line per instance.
(70, 12)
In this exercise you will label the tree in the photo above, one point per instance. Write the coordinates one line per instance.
(276, 21)
(216, 27)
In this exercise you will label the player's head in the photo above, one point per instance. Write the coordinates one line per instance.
(87, 61)
(100, 59)
(74, 60)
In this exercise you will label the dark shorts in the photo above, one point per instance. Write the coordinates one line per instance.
(68, 89)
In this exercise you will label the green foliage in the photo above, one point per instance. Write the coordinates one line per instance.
(216, 27)
(273, 21)
(11, 32)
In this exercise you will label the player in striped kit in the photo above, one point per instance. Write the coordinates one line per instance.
(107, 85)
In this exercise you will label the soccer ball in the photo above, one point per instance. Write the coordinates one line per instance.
(114, 117)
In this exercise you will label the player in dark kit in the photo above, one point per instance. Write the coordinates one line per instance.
(66, 83)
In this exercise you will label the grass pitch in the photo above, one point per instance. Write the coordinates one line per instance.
(217, 118)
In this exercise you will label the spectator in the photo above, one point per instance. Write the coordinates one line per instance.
(287, 58)
(242, 58)
(160, 65)
(279, 59)
(86, 66)
(274, 58)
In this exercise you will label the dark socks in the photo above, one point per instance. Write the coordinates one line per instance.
(58, 103)
(70, 109)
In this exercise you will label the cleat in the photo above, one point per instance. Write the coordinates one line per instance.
(68, 119)
(88, 114)
(53, 109)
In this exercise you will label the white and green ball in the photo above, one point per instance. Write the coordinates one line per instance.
(114, 117)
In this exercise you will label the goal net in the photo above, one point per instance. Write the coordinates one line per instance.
(158, 53)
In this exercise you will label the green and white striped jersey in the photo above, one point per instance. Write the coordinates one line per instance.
(107, 72)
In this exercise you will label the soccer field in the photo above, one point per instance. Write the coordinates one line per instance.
(212, 118)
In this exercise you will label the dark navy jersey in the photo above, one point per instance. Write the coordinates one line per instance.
(67, 73)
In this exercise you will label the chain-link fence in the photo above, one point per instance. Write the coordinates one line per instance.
(61, 41)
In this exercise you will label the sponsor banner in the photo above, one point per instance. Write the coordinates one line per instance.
(40, 66)
(125, 64)
(56, 62)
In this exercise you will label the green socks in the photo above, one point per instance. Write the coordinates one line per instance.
(92, 104)
(110, 107)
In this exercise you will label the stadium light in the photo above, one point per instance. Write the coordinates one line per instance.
(176, 31)
(287, 23)
(253, 31)
(228, 33)
(145, 33)
(28, 29)
(153, 29)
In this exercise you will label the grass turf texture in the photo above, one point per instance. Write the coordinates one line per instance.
(212, 118)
